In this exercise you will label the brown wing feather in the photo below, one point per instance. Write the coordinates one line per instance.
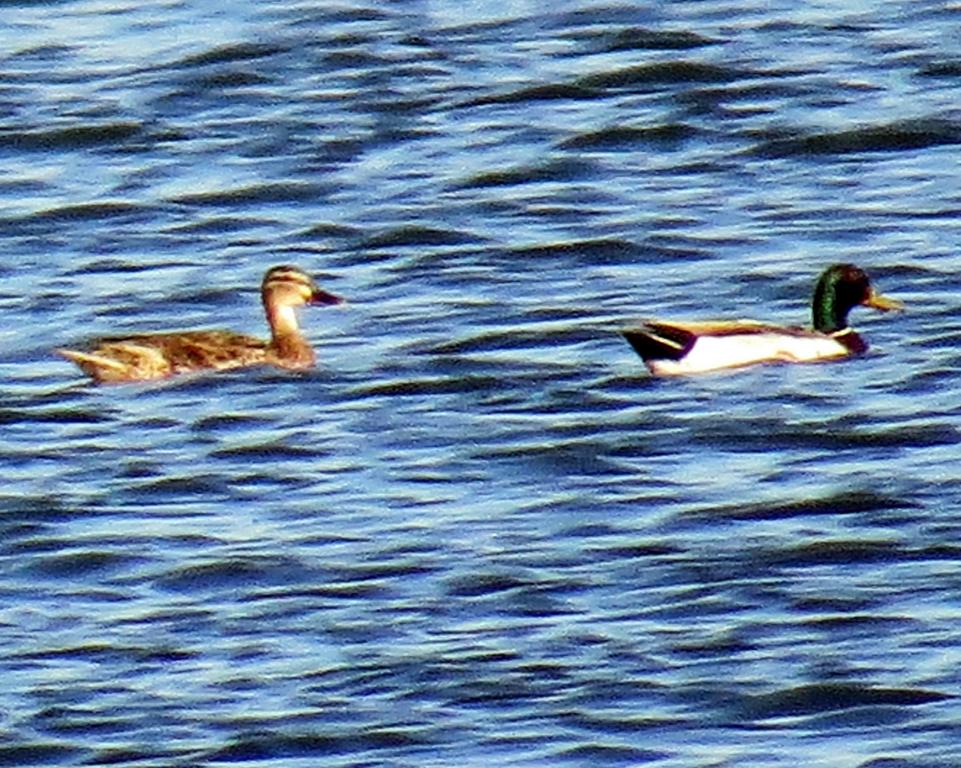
(195, 350)
(727, 328)
(158, 355)
(715, 327)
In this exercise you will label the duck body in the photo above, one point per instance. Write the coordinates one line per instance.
(681, 348)
(677, 349)
(157, 356)
(145, 357)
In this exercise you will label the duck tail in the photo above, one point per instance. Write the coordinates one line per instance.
(660, 341)
(96, 366)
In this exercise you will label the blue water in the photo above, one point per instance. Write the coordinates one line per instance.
(479, 533)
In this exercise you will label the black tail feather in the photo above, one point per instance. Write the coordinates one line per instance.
(654, 341)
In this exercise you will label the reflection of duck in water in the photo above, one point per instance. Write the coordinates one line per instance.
(158, 355)
(671, 349)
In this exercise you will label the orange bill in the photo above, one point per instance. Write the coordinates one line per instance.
(877, 301)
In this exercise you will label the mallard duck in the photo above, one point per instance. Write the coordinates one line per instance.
(671, 349)
(159, 355)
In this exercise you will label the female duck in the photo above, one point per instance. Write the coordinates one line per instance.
(671, 349)
(159, 355)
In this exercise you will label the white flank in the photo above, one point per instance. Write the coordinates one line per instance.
(711, 353)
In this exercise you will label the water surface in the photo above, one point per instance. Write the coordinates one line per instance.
(479, 531)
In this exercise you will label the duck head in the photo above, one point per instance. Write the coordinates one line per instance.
(289, 286)
(840, 288)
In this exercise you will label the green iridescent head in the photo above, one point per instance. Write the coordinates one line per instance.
(840, 288)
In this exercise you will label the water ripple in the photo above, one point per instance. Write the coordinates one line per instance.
(897, 137)
(479, 527)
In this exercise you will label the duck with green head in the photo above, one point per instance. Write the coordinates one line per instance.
(673, 348)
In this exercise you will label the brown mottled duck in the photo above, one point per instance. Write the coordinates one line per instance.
(160, 355)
